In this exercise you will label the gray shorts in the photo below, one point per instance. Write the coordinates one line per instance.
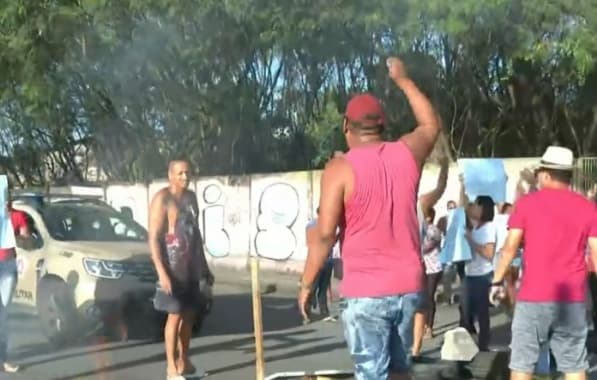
(561, 325)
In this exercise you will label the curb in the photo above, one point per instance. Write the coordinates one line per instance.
(267, 284)
(276, 282)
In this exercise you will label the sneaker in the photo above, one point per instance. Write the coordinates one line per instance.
(11, 368)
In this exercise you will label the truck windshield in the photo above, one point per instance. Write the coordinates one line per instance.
(80, 221)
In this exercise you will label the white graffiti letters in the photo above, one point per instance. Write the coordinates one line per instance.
(278, 211)
(216, 238)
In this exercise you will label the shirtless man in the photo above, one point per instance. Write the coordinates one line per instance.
(177, 253)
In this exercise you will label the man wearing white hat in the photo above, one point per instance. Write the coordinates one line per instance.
(556, 225)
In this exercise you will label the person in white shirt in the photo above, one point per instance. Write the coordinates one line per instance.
(479, 270)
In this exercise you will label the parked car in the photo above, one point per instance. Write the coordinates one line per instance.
(86, 267)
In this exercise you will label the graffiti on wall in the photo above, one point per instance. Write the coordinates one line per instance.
(265, 215)
(278, 210)
(217, 240)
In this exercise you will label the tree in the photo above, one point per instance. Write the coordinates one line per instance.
(246, 86)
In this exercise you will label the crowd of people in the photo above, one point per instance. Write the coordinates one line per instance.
(390, 248)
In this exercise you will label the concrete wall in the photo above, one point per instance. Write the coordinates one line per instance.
(266, 214)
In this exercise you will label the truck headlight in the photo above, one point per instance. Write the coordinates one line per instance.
(103, 268)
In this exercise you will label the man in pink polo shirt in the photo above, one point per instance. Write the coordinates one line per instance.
(371, 194)
(556, 224)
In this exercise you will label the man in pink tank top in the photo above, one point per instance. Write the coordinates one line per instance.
(371, 194)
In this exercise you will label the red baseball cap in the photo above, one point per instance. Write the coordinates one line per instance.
(366, 109)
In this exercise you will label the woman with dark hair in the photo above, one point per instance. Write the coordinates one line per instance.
(481, 237)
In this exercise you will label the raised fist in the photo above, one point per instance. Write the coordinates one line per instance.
(396, 69)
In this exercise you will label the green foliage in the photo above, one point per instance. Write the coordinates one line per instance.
(325, 132)
(255, 85)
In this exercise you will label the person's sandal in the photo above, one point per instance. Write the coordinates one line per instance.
(11, 368)
(176, 377)
(191, 370)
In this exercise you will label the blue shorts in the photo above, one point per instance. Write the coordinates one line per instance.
(379, 334)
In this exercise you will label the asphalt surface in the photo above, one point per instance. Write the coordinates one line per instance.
(225, 348)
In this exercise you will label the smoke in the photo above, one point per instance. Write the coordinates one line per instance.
(125, 76)
(150, 51)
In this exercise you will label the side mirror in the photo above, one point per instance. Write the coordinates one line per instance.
(127, 212)
(31, 243)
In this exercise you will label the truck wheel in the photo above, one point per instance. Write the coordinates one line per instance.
(57, 311)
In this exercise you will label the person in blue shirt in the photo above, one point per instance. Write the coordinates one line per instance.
(324, 280)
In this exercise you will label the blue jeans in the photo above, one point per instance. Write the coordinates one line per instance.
(320, 294)
(379, 334)
(8, 282)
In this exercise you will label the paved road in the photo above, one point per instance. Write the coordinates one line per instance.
(225, 350)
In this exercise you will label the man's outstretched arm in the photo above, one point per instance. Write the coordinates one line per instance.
(423, 138)
(517, 224)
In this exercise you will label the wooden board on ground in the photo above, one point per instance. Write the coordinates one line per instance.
(315, 375)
